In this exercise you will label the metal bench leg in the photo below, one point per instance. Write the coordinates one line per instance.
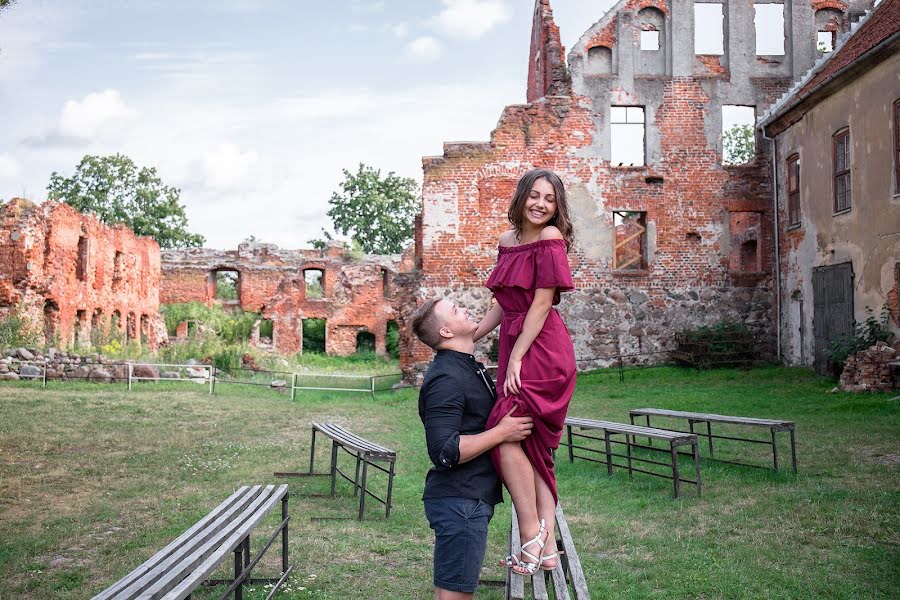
(628, 452)
(793, 451)
(362, 494)
(675, 475)
(631, 418)
(774, 450)
(334, 450)
(284, 535)
(649, 440)
(247, 553)
(697, 466)
(387, 510)
(312, 451)
(238, 567)
(571, 449)
(709, 436)
(608, 453)
(356, 477)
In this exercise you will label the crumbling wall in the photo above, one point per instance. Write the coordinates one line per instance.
(78, 280)
(271, 282)
(708, 246)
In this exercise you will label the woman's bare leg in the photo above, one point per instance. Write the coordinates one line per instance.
(546, 510)
(519, 478)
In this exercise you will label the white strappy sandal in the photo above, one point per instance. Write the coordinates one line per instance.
(534, 562)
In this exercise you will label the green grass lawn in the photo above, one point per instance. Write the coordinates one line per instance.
(94, 479)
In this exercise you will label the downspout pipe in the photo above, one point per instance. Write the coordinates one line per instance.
(774, 147)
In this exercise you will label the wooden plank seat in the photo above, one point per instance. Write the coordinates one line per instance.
(187, 562)
(367, 454)
(774, 426)
(566, 581)
(674, 439)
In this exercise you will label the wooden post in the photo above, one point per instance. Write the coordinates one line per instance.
(675, 475)
(608, 452)
(312, 451)
(362, 495)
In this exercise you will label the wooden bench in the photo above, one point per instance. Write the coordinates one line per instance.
(674, 439)
(368, 454)
(692, 418)
(566, 577)
(186, 563)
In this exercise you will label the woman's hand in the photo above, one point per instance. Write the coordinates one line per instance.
(513, 379)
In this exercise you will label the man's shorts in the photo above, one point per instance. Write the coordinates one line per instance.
(460, 537)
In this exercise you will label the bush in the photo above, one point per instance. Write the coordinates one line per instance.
(392, 340)
(864, 335)
(16, 330)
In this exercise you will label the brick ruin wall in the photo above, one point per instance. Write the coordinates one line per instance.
(77, 280)
(271, 281)
(709, 243)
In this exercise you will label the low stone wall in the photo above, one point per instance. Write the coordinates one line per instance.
(29, 363)
(870, 370)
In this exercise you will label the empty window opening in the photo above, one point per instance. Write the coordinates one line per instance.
(793, 189)
(769, 21)
(709, 30)
(738, 134)
(314, 335)
(365, 342)
(650, 39)
(749, 257)
(263, 334)
(97, 327)
(51, 323)
(385, 282)
(118, 269)
(131, 331)
(627, 136)
(841, 147)
(630, 251)
(599, 60)
(392, 339)
(115, 323)
(81, 331)
(145, 329)
(81, 262)
(227, 286)
(825, 41)
(314, 279)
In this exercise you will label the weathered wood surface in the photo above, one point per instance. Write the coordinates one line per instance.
(696, 416)
(632, 430)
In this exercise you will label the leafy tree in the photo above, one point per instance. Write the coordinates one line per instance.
(117, 191)
(5, 4)
(739, 145)
(375, 212)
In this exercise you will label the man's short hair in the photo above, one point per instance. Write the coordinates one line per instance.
(426, 325)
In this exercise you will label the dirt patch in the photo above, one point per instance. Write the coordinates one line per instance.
(886, 459)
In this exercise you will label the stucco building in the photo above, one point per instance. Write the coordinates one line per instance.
(837, 139)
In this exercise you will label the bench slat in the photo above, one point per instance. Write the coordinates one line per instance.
(661, 412)
(517, 581)
(154, 560)
(579, 583)
(167, 575)
(195, 579)
(637, 430)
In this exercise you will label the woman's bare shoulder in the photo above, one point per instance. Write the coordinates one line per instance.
(508, 238)
(551, 232)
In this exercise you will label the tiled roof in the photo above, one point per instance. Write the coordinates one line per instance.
(870, 31)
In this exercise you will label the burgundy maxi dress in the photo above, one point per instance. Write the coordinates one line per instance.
(548, 368)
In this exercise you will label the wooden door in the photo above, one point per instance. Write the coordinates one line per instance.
(832, 308)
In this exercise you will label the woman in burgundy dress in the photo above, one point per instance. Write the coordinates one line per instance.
(536, 362)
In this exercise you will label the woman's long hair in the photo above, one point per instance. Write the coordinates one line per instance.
(561, 219)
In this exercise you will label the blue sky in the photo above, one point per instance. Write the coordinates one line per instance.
(253, 108)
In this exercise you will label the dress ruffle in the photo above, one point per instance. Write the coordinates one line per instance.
(540, 264)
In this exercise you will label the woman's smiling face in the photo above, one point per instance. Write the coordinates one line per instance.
(540, 206)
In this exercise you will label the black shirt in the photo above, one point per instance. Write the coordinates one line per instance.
(456, 398)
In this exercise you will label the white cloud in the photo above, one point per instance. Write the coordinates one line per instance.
(98, 112)
(9, 167)
(471, 19)
(424, 49)
(226, 166)
(400, 30)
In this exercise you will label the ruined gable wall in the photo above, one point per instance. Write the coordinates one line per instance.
(73, 274)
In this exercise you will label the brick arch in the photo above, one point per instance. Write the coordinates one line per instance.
(818, 5)
(502, 171)
(659, 5)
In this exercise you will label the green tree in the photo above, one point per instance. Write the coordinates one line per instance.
(375, 212)
(739, 145)
(117, 191)
(5, 4)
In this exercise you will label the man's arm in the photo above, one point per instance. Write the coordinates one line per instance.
(509, 429)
